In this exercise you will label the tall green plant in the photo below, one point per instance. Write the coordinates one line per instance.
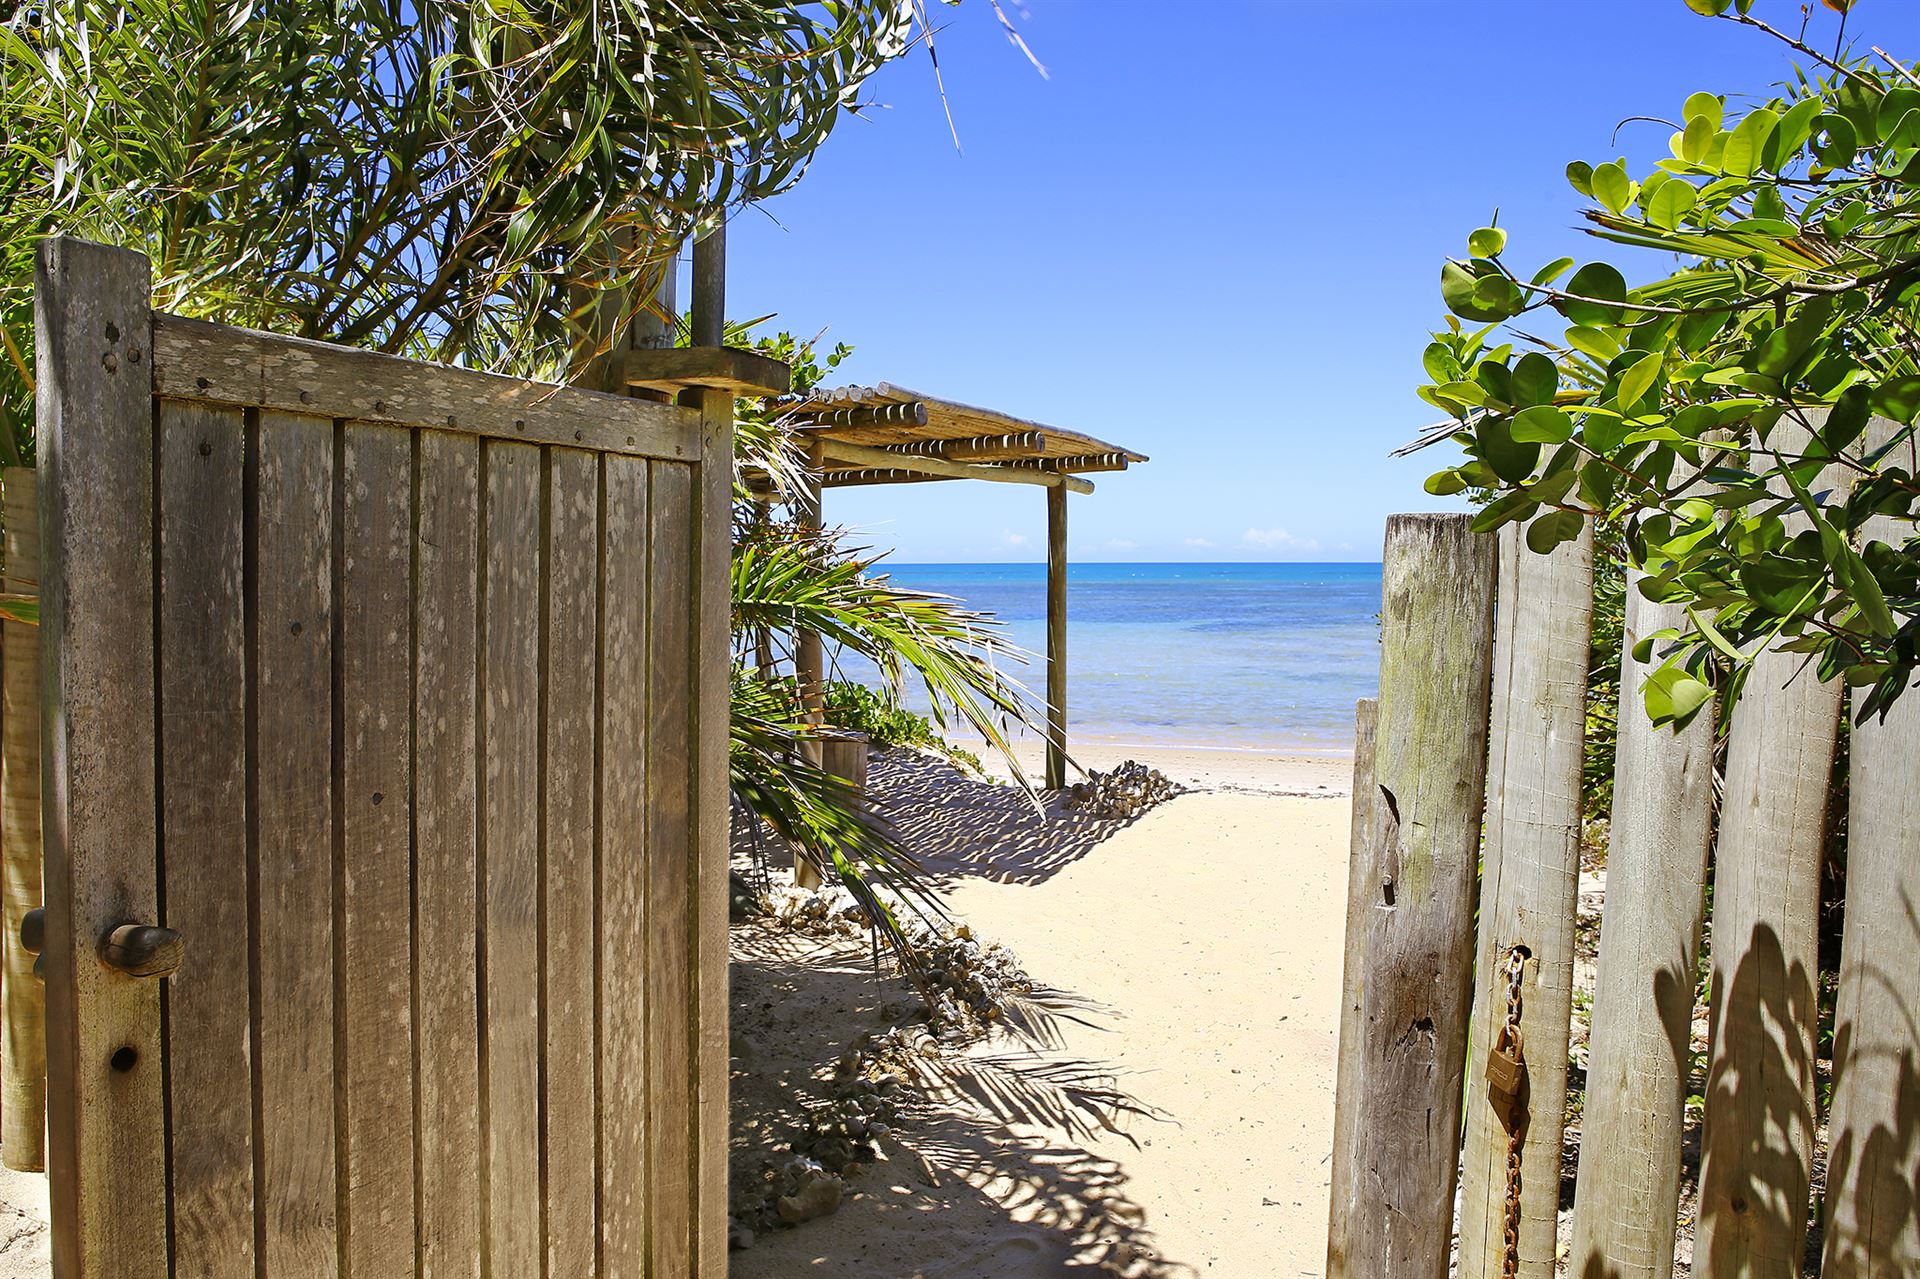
(494, 182)
(1577, 396)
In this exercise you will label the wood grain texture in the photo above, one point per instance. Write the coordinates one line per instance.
(712, 683)
(1873, 1139)
(203, 814)
(1529, 884)
(195, 360)
(1430, 765)
(1756, 1164)
(23, 1053)
(670, 869)
(1638, 1055)
(866, 455)
(510, 846)
(293, 841)
(1056, 764)
(446, 1014)
(375, 871)
(569, 1097)
(106, 1126)
(1361, 881)
(624, 1119)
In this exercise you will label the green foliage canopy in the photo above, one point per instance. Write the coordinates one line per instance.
(1796, 222)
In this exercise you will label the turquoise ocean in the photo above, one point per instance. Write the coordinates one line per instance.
(1238, 656)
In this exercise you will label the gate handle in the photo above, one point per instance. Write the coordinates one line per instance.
(33, 930)
(141, 950)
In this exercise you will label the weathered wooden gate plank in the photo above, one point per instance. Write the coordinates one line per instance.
(1638, 1057)
(1430, 766)
(670, 853)
(624, 1119)
(374, 876)
(447, 1045)
(712, 659)
(568, 725)
(24, 1054)
(1873, 1159)
(203, 814)
(510, 854)
(106, 1125)
(293, 840)
(1529, 882)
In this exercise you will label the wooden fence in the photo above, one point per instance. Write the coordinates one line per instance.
(388, 701)
(1465, 870)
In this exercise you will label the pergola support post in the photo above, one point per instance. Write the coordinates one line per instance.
(1056, 770)
(809, 664)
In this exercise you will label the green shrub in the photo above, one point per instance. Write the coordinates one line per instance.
(887, 723)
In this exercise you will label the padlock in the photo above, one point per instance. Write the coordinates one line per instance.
(1506, 1075)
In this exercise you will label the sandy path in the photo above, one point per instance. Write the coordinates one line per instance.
(1209, 932)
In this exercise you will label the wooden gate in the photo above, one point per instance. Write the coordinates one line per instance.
(398, 692)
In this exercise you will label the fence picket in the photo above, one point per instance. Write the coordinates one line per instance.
(1361, 879)
(1529, 883)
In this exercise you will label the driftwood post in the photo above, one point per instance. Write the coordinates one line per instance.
(1361, 878)
(1056, 771)
(23, 1139)
(1430, 764)
(1628, 1196)
(1528, 889)
(1873, 1160)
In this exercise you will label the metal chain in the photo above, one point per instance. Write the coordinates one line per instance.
(1516, 1130)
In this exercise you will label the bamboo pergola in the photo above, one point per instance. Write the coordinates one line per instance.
(887, 434)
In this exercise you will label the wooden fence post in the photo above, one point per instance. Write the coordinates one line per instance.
(24, 1053)
(1430, 765)
(106, 1140)
(1628, 1195)
(1873, 1143)
(1529, 886)
(1361, 879)
(1756, 1163)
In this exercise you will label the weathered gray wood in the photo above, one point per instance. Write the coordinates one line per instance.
(866, 455)
(1873, 1140)
(374, 872)
(447, 1045)
(106, 1123)
(1529, 886)
(23, 1055)
(203, 814)
(293, 841)
(1756, 1161)
(809, 662)
(1430, 772)
(1056, 763)
(568, 733)
(1361, 879)
(510, 854)
(671, 869)
(712, 694)
(194, 360)
(624, 1118)
(1638, 1054)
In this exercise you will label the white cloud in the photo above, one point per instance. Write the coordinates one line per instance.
(1279, 539)
(1199, 541)
(1120, 544)
(1012, 538)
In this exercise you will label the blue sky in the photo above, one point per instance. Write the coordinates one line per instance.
(1214, 235)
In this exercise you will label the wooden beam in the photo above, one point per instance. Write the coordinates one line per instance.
(862, 477)
(23, 1043)
(977, 448)
(707, 368)
(864, 456)
(1075, 465)
(1056, 773)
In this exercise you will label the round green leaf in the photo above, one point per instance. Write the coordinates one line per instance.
(1512, 460)
(1446, 483)
(1834, 141)
(1612, 187)
(1550, 528)
(1541, 424)
(1596, 285)
(1460, 290)
(1672, 202)
(1487, 242)
(1703, 106)
(1534, 379)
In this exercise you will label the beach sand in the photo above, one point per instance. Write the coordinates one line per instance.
(1203, 941)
